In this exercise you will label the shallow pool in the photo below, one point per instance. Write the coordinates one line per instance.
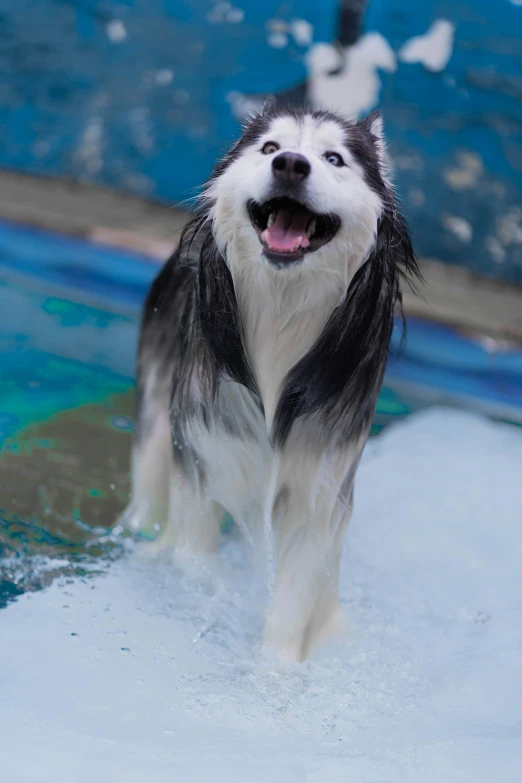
(123, 670)
(69, 314)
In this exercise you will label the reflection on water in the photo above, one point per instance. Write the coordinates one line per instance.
(66, 408)
(64, 480)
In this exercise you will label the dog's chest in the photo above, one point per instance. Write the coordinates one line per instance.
(235, 453)
(277, 334)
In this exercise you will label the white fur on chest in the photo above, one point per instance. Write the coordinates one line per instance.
(236, 455)
(283, 315)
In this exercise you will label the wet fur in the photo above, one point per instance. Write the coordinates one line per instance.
(257, 386)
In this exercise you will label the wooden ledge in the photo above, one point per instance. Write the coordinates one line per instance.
(450, 295)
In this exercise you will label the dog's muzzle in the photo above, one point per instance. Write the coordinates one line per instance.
(286, 227)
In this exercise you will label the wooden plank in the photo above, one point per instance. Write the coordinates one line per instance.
(454, 296)
(88, 210)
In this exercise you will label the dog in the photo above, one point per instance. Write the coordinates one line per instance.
(262, 351)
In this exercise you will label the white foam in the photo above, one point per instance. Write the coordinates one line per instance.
(163, 682)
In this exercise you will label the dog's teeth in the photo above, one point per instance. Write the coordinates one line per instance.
(311, 228)
(299, 241)
(271, 219)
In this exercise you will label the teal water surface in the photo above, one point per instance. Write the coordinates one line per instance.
(69, 314)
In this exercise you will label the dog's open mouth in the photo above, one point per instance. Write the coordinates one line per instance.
(287, 229)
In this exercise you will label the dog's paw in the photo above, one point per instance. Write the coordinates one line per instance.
(294, 644)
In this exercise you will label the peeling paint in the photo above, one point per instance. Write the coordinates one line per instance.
(467, 173)
(141, 129)
(510, 227)
(356, 87)
(433, 50)
(164, 76)
(458, 226)
(224, 13)
(277, 40)
(89, 154)
(116, 31)
(455, 137)
(495, 250)
(302, 31)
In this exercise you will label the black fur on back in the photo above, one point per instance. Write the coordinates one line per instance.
(193, 317)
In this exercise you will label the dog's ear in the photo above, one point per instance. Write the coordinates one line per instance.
(258, 111)
(269, 104)
(372, 125)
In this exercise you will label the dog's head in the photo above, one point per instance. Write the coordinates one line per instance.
(307, 191)
(301, 187)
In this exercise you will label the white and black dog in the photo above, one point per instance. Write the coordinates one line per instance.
(263, 346)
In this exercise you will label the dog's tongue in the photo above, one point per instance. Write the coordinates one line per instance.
(288, 231)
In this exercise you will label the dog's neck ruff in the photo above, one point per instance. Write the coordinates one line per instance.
(283, 313)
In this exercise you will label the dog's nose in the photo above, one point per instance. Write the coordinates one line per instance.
(290, 167)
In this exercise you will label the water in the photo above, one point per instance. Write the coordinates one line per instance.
(149, 673)
(125, 670)
(66, 425)
(69, 314)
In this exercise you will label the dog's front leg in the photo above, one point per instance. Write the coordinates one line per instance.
(312, 508)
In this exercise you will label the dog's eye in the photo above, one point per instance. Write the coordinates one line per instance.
(334, 158)
(269, 147)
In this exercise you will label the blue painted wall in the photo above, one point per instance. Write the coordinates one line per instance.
(138, 94)
(458, 133)
(143, 95)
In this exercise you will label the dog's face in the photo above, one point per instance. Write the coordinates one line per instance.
(301, 187)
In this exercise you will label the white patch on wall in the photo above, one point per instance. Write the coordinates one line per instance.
(495, 250)
(164, 76)
(235, 15)
(277, 30)
(116, 31)
(141, 129)
(510, 227)
(243, 106)
(466, 173)
(356, 88)
(433, 49)
(223, 13)
(302, 31)
(458, 226)
(89, 154)
(280, 32)
(277, 40)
